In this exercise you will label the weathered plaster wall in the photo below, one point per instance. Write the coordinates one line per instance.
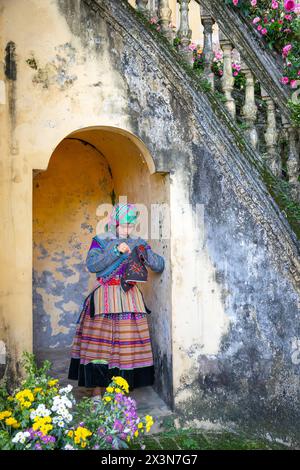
(235, 280)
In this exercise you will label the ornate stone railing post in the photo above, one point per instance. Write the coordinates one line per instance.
(271, 135)
(164, 14)
(249, 110)
(184, 32)
(293, 165)
(227, 79)
(142, 6)
(207, 22)
(153, 8)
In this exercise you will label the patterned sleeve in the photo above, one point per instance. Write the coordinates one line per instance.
(102, 254)
(153, 260)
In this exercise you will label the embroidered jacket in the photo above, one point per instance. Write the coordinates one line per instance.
(106, 260)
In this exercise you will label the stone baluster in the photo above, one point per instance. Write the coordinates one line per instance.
(207, 22)
(164, 14)
(293, 165)
(227, 79)
(142, 6)
(271, 136)
(153, 8)
(184, 32)
(249, 110)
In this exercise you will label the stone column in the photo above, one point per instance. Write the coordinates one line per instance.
(184, 31)
(271, 135)
(227, 79)
(207, 22)
(164, 14)
(293, 165)
(153, 7)
(249, 110)
(142, 6)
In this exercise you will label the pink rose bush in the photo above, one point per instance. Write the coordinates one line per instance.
(279, 25)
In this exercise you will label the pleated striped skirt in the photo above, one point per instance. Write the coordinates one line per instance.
(116, 341)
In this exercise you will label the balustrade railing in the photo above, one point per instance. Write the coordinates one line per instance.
(252, 106)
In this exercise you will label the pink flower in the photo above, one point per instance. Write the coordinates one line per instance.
(293, 83)
(153, 20)
(274, 5)
(264, 31)
(265, 20)
(286, 49)
(259, 27)
(256, 20)
(287, 30)
(192, 46)
(272, 20)
(298, 73)
(220, 72)
(288, 17)
(235, 2)
(284, 80)
(235, 73)
(253, 3)
(218, 55)
(289, 5)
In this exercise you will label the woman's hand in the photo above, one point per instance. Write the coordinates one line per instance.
(124, 248)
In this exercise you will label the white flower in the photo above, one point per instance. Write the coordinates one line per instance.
(21, 437)
(68, 447)
(40, 411)
(66, 389)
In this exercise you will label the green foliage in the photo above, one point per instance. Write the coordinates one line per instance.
(295, 112)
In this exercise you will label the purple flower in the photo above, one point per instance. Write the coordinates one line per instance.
(118, 425)
(109, 439)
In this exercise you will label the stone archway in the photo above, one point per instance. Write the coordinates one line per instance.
(89, 167)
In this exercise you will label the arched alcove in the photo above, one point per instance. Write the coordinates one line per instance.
(89, 167)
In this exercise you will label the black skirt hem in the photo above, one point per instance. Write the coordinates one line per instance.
(99, 375)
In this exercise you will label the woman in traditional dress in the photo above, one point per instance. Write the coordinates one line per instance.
(112, 334)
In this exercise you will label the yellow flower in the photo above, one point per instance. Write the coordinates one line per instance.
(37, 389)
(118, 390)
(12, 422)
(51, 383)
(71, 433)
(140, 425)
(136, 433)
(26, 404)
(121, 382)
(83, 444)
(128, 438)
(77, 440)
(5, 414)
(107, 398)
(10, 398)
(110, 389)
(23, 394)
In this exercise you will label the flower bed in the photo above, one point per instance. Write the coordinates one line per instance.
(41, 415)
(279, 24)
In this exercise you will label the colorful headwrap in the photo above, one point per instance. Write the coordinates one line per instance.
(122, 213)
